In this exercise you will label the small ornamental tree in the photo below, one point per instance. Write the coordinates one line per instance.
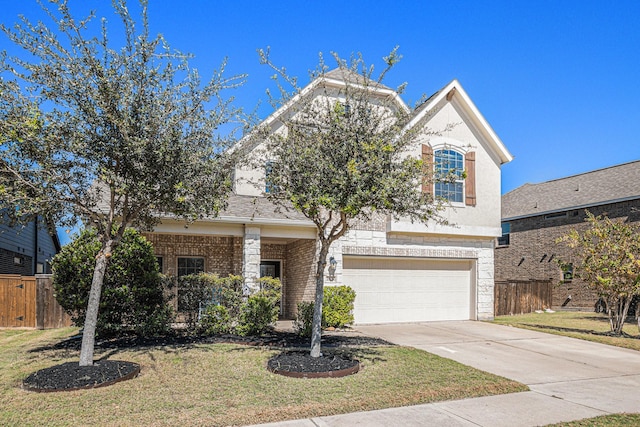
(344, 158)
(608, 254)
(132, 294)
(116, 137)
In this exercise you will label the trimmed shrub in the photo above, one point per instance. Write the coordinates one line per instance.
(257, 315)
(261, 309)
(215, 305)
(304, 319)
(132, 297)
(196, 292)
(215, 320)
(337, 306)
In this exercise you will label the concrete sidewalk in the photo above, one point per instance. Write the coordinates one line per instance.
(569, 379)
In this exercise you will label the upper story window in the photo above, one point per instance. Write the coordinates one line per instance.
(506, 231)
(449, 164)
(268, 170)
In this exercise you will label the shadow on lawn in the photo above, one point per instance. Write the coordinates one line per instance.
(355, 345)
(583, 331)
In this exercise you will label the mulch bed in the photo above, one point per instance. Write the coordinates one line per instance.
(71, 376)
(300, 364)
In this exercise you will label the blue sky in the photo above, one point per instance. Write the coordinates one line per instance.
(557, 80)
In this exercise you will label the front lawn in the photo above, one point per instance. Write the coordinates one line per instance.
(224, 384)
(615, 420)
(584, 325)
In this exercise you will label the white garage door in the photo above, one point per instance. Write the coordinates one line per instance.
(409, 289)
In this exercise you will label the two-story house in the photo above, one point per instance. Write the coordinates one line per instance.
(27, 249)
(401, 271)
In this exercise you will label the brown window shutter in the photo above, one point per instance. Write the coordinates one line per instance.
(470, 181)
(427, 158)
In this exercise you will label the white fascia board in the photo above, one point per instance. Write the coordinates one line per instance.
(475, 115)
(383, 92)
(269, 121)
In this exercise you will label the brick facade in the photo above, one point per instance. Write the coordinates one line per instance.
(533, 254)
(224, 255)
(300, 271)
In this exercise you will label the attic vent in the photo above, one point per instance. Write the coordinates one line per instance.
(451, 93)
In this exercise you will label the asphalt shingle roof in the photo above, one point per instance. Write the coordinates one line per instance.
(615, 183)
(258, 208)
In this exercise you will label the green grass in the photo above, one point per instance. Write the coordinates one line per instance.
(616, 420)
(223, 384)
(583, 325)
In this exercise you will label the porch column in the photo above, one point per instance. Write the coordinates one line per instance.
(251, 259)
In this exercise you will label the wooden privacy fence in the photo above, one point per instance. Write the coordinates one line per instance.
(28, 301)
(522, 296)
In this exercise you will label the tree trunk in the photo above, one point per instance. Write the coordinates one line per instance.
(91, 317)
(618, 314)
(316, 326)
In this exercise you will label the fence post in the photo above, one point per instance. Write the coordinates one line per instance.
(40, 300)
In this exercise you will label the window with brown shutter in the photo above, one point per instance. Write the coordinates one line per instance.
(427, 158)
(470, 181)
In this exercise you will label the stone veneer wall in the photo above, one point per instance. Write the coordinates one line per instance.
(533, 254)
(300, 273)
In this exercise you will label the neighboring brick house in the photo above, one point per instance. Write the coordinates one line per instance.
(535, 215)
(401, 271)
(27, 249)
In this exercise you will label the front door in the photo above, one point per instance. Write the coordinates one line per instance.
(272, 269)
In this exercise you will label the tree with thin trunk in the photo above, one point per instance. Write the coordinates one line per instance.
(114, 137)
(608, 260)
(344, 157)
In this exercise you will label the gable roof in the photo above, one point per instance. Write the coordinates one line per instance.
(349, 76)
(602, 186)
(338, 78)
(453, 92)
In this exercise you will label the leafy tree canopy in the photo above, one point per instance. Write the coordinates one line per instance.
(344, 153)
(111, 135)
(608, 254)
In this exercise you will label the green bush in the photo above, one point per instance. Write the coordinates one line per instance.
(337, 306)
(304, 319)
(196, 292)
(214, 305)
(132, 298)
(271, 288)
(215, 320)
(257, 315)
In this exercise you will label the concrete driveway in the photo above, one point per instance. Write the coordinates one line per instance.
(569, 379)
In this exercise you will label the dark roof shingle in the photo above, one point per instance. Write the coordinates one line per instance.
(615, 183)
